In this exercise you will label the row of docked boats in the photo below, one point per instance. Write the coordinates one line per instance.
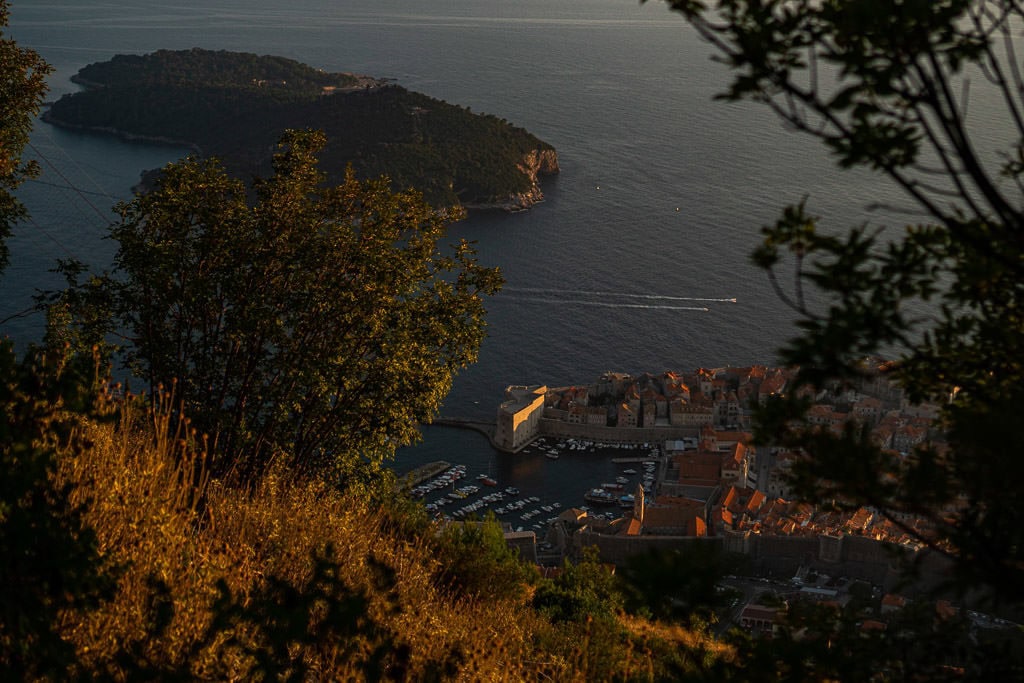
(649, 476)
(478, 505)
(447, 478)
(460, 495)
(514, 505)
(573, 444)
(601, 496)
(543, 509)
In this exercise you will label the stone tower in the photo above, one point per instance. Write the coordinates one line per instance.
(638, 503)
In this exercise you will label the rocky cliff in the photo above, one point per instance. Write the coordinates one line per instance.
(537, 162)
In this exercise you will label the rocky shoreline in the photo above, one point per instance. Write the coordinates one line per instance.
(536, 163)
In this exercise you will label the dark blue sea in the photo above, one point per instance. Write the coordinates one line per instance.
(632, 262)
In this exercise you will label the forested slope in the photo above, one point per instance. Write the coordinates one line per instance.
(234, 106)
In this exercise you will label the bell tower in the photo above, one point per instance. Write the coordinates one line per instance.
(638, 503)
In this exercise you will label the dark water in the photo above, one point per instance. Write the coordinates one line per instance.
(628, 265)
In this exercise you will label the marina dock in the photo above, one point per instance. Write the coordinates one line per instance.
(423, 473)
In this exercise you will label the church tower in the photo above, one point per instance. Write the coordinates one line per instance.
(638, 503)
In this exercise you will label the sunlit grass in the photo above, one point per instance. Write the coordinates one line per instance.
(180, 541)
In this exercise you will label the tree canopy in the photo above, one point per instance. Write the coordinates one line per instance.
(213, 68)
(319, 324)
(888, 86)
(22, 86)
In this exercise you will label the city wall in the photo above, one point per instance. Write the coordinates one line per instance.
(854, 557)
(618, 549)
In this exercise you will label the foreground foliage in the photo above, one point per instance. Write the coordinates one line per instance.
(22, 86)
(49, 556)
(154, 570)
(321, 325)
(888, 86)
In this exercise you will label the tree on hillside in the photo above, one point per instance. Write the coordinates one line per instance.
(584, 590)
(476, 559)
(319, 325)
(50, 563)
(890, 86)
(22, 86)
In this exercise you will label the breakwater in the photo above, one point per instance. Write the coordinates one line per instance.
(423, 473)
(482, 426)
(558, 429)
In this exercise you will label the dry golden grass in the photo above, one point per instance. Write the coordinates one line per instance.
(176, 536)
(683, 639)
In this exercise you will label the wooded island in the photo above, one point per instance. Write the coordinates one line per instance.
(234, 106)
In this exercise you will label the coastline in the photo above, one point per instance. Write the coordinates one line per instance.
(48, 117)
(234, 106)
(536, 163)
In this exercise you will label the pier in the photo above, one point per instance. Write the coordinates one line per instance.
(482, 426)
(422, 473)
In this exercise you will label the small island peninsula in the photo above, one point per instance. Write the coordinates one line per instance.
(234, 106)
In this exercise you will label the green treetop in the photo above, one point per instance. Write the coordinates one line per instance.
(321, 325)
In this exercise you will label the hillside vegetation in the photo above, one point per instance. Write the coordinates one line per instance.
(212, 67)
(289, 578)
(234, 106)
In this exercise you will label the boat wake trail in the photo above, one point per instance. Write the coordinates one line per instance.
(582, 297)
(607, 304)
(616, 295)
